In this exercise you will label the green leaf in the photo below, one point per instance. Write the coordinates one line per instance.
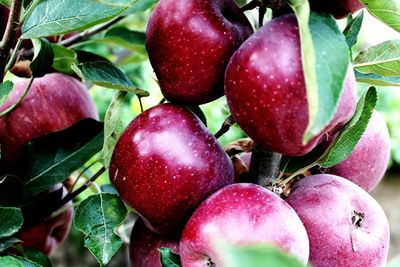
(43, 57)
(169, 258)
(100, 71)
(332, 63)
(6, 3)
(52, 158)
(387, 11)
(348, 138)
(258, 256)
(301, 9)
(98, 217)
(37, 257)
(11, 221)
(5, 90)
(8, 242)
(62, 17)
(378, 80)
(325, 59)
(63, 59)
(113, 127)
(353, 29)
(16, 261)
(126, 37)
(142, 5)
(382, 59)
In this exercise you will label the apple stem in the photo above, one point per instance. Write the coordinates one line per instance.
(9, 35)
(226, 125)
(140, 103)
(71, 195)
(264, 166)
(19, 100)
(261, 13)
(251, 5)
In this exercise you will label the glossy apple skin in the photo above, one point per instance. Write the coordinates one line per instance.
(165, 164)
(326, 204)
(144, 245)
(265, 90)
(46, 236)
(54, 102)
(338, 8)
(189, 44)
(241, 214)
(366, 165)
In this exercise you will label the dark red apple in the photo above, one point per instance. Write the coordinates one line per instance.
(144, 245)
(49, 233)
(338, 8)
(265, 90)
(345, 225)
(54, 102)
(165, 164)
(189, 44)
(367, 164)
(241, 214)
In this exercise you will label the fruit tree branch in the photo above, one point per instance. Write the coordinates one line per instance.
(9, 35)
(264, 166)
(89, 32)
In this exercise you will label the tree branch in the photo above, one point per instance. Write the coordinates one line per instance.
(9, 35)
(264, 166)
(90, 32)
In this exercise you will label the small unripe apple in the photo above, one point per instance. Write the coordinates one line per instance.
(241, 215)
(266, 93)
(165, 164)
(345, 225)
(144, 246)
(338, 8)
(54, 103)
(189, 44)
(367, 163)
(49, 233)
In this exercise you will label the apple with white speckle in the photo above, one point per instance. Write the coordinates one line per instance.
(345, 225)
(265, 90)
(54, 103)
(240, 215)
(189, 45)
(144, 246)
(165, 164)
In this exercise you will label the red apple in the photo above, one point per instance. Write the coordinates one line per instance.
(345, 225)
(241, 214)
(189, 44)
(265, 90)
(165, 164)
(366, 165)
(48, 234)
(338, 8)
(144, 245)
(54, 102)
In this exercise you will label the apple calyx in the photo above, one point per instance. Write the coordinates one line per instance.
(357, 219)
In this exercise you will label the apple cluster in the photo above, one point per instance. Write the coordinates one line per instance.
(173, 172)
(54, 102)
